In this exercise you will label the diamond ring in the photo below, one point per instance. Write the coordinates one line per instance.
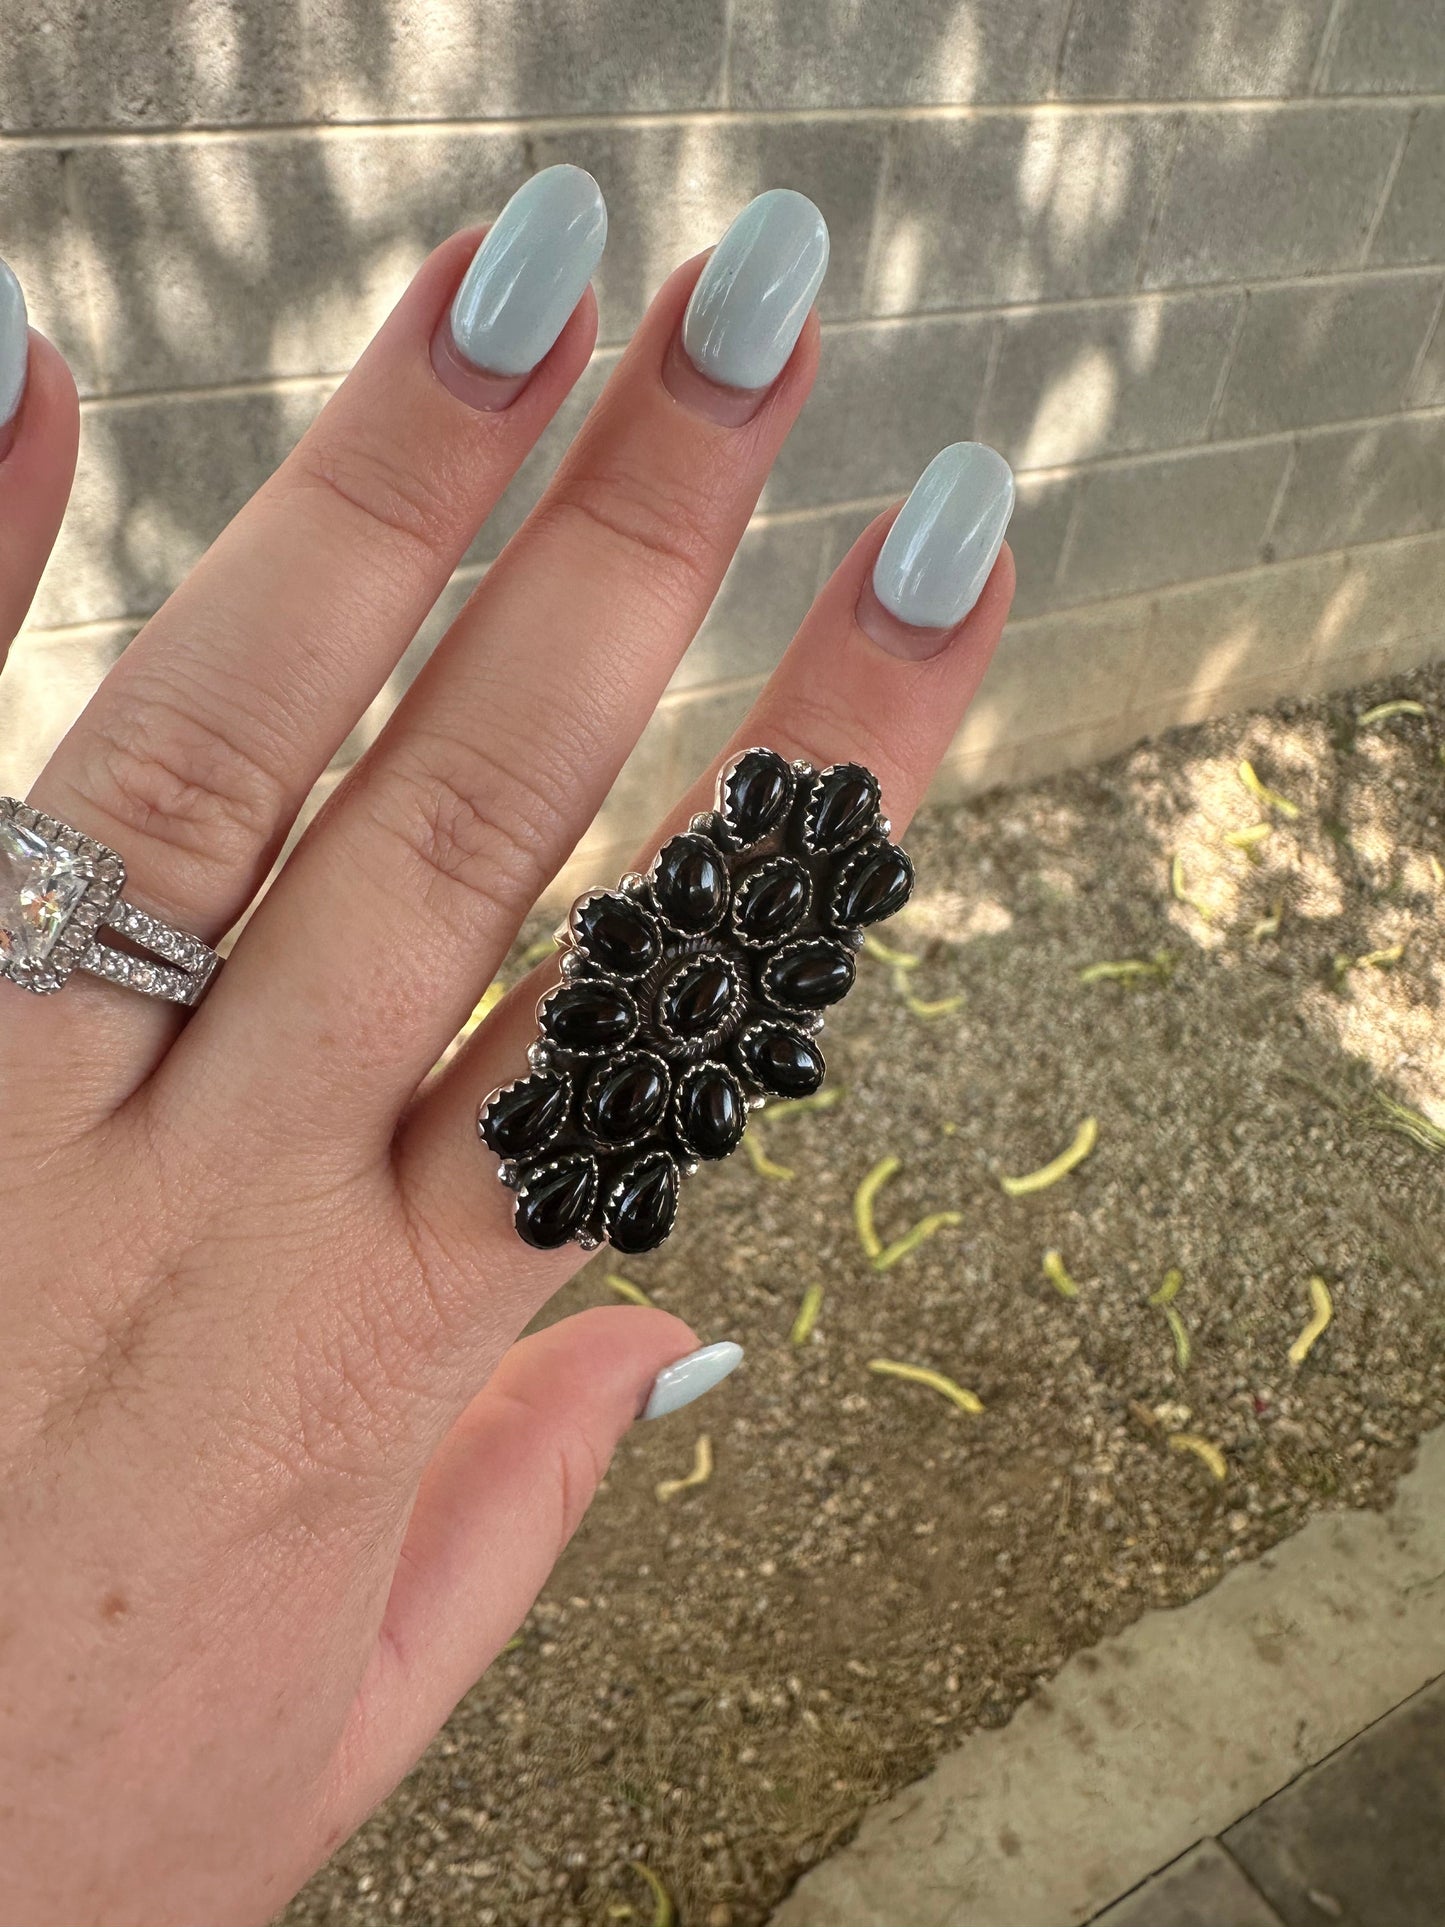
(689, 997)
(58, 890)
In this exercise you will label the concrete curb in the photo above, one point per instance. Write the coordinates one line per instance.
(1160, 1737)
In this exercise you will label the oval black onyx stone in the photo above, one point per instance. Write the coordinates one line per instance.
(872, 884)
(588, 1015)
(642, 1203)
(711, 1111)
(808, 975)
(526, 1115)
(616, 933)
(754, 795)
(771, 900)
(625, 1098)
(697, 997)
(689, 883)
(555, 1201)
(781, 1060)
(842, 807)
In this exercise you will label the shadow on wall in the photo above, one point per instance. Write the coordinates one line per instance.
(211, 288)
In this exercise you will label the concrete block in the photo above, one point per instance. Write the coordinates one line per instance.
(1056, 675)
(672, 190)
(40, 243)
(48, 680)
(889, 396)
(1203, 1889)
(1107, 378)
(212, 63)
(157, 482)
(1310, 355)
(1043, 510)
(766, 592)
(1387, 47)
(1272, 193)
(1409, 228)
(1013, 208)
(1363, 485)
(1189, 49)
(1363, 1829)
(1170, 520)
(233, 259)
(801, 53)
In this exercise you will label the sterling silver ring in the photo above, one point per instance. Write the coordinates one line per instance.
(691, 996)
(58, 890)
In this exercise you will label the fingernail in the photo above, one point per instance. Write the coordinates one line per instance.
(530, 272)
(690, 1377)
(14, 345)
(754, 295)
(946, 538)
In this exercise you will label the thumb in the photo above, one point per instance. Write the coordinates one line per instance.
(502, 1496)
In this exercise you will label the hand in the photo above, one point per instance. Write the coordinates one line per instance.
(279, 1475)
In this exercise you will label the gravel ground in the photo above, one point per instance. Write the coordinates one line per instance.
(715, 1686)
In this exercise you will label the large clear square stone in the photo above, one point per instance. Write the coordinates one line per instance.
(40, 884)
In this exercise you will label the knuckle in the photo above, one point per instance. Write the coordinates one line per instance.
(669, 524)
(480, 835)
(162, 769)
(375, 482)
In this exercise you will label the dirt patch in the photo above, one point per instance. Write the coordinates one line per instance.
(718, 1685)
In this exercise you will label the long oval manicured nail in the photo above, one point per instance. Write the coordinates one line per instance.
(14, 345)
(527, 276)
(690, 1377)
(752, 298)
(943, 543)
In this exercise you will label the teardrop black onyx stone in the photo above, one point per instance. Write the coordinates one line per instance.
(770, 900)
(626, 1098)
(842, 806)
(616, 933)
(697, 997)
(781, 1060)
(526, 1115)
(642, 1203)
(872, 884)
(588, 1015)
(689, 883)
(809, 975)
(755, 795)
(712, 1113)
(555, 1201)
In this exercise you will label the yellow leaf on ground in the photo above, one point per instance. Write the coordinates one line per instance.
(1059, 1167)
(965, 1400)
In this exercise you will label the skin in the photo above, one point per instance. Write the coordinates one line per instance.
(278, 1477)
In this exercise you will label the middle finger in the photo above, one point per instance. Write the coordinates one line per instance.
(405, 896)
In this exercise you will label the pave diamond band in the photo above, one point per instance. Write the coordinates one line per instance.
(59, 890)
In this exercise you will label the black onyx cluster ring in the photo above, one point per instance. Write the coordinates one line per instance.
(690, 996)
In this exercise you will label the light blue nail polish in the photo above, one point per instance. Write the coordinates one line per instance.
(529, 273)
(938, 554)
(690, 1377)
(14, 344)
(752, 298)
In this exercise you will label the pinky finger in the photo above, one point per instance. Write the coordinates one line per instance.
(39, 433)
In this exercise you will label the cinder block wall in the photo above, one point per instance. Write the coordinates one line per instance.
(1181, 260)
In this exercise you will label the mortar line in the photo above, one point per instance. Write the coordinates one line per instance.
(1057, 75)
(1396, 161)
(853, 324)
(73, 208)
(50, 634)
(725, 75)
(182, 134)
(990, 376)
(875, 217)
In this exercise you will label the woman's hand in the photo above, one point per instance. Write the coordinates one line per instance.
(279, 1475)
